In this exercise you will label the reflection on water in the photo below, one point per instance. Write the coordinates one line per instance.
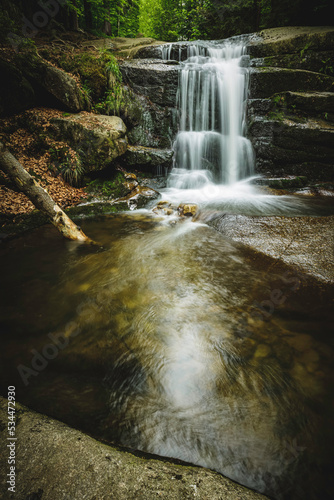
(187, 347)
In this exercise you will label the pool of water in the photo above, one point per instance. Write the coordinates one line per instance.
(171, 339)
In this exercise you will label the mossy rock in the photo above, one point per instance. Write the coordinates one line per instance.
(98, 139)
(292, 40)
(319, 62)
(53, 87)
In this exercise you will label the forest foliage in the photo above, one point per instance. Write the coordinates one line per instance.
(167, 20)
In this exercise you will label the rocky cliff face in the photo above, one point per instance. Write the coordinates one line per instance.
(153, 85)
(291, 113)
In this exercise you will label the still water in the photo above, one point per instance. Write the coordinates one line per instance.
(171, 339)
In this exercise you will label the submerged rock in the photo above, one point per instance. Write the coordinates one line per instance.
(304, 242)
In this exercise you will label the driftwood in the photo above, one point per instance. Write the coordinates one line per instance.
(39, 197)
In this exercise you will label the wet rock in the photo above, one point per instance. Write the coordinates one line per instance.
(57, 461)
(284, 145)
(292, 85)
(139, 197)
(100, 139)
(152, 78)
(16, 93)
(283, 182)
(148, 124)
(149, 158)
(187, 209)
(303, 242)
(175, 52)
(130, 182)
(311, 103)
(166, 208)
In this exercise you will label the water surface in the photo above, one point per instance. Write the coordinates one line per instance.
(186, 345)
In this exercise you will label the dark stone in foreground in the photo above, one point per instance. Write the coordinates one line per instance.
(55, 462)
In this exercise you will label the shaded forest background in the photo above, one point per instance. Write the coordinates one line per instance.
(167, 20)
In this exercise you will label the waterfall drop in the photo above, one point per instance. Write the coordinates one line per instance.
(211, 143)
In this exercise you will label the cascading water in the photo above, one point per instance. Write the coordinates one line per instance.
(213, 159)
(211, 142)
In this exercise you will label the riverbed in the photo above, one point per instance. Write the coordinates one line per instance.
(170, 338)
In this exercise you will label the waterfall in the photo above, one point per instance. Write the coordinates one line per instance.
(211, 143)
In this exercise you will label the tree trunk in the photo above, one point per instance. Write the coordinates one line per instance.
(107, 28)
(39, 197)
(88, 15)
(74, 17)
(106, 23)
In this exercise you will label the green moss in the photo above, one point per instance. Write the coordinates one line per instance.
(96, 72)
(113, 188)
(92, 210)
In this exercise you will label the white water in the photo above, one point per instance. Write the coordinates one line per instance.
(214, 160)
(212, 98)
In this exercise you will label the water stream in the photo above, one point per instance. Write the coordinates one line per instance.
(214, 159)
(179, 349)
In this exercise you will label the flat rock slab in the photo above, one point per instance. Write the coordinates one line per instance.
(291, 39)
(122, 46)
(304, 242)
(265, 82)
(54, 462)
(143, 156)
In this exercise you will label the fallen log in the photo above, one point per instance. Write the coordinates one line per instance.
(39, 197)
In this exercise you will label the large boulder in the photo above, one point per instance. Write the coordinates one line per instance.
(99, 139)
(16, 93)
(53, 86)
(305, 243)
